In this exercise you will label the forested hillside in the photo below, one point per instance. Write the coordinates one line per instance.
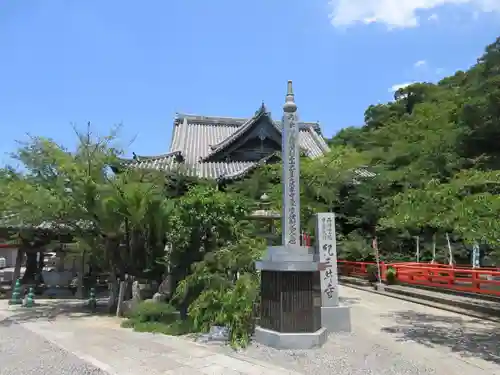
(435, 150)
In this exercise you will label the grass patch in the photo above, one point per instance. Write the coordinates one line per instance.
(153, 312)
(157, 318)
(177, 328)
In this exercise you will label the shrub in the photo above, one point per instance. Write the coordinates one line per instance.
(231, 307)
(127, 323)
(153, 312)
(390, 276)
(177, 328)
(372, 271)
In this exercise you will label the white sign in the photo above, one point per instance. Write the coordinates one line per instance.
(327, 246)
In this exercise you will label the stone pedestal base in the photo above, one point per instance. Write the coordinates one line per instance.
(294, 341)
(336, 319)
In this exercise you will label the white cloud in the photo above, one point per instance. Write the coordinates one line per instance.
(398, 86)
(420, 63)
(397, 13)
(433, 17)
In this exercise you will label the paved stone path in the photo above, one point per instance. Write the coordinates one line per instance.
(25, 353)
(102, 344)
(390, 337)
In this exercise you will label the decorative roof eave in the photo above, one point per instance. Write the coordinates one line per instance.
(173, 154)
(244, 172)
(261, 112)
(137, 158)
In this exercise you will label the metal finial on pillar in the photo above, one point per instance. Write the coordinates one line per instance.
(289, 105)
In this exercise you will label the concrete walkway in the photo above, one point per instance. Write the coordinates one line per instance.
(101, 342)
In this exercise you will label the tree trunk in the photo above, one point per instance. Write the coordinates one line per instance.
(113, 292)
(17, 267)
(81, 275)
(31, 272)
(41, 264)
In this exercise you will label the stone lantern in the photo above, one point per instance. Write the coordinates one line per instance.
(267, 218)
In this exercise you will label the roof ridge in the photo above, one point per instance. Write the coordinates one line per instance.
(211, 119)
(228, 120)
(182, 115)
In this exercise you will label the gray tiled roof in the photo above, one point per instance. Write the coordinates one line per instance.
(195, 137)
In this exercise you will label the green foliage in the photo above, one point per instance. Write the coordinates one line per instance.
(232, 306)
(157, 318)
(355, 247)
(222, 287)
(372, 271)
(148, 311)
(391, 276)
(175, 328)
(119, 221)
(435, 151)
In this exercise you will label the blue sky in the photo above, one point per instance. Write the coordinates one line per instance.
(136, 63)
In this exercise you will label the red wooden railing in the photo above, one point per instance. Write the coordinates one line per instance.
(459, 278)
(355, 269)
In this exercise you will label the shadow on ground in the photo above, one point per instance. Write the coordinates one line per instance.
(476, 338)
(51, 310)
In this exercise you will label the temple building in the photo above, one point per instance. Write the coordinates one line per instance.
(226, 148)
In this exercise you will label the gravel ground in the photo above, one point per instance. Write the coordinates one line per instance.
(398, 338)
(342, 355)
(23, 353)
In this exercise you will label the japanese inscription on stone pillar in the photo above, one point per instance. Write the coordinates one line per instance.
(325, 237)
(291, 187)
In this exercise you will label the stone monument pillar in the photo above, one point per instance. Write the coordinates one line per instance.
(290, 309)
(334, 318)
(290, 222)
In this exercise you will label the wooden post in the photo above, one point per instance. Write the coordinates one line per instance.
(450, 251)
(17, 267)
(121, 296)
(433, 248)
(418, 248)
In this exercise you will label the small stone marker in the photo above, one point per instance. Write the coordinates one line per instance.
(217, 334)
(334, 317)
(327, 247)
